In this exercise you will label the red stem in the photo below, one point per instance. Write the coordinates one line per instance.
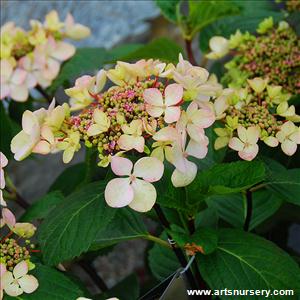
(189, 50)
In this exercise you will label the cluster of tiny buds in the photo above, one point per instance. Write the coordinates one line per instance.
(274, 55)
(12, 253)
(122, 104)
(255, 114)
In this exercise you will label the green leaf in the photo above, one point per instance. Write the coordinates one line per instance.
(168, 195)
(287, 184)
(8, 130)
(85, 60)
(120, 51)
(69, 179)
(162, 261)
(232, 208)
(244, 261)
(206, 238)
(53, 285)
(42, 207)
(72, 226)
(127, 289)
(168, 8)
(203, 13)
(126, 225)
(161, 48)
(248, 19)
(225, 178)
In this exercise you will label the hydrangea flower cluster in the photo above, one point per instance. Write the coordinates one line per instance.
(142, 112)
(33, 58)
(14, 258)
(258, 111)
(273, 54)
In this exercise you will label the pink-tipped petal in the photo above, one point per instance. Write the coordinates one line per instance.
(63, 51)
(172, 114)
(289, 147)
(118, 192)
(154, 111)
(242, 134)
(173, 94)
(144, 196)
(3, 160)
(166, 134)
(153, 96)
(42, 147)
(253, 134)
(236, 144)
(8, 217)
(19, 92)
(18, 76)
(249, 153)
(21, 269)
(4, 90)
(196, 149)
(150, 169)
(28, 283)
(121, 166)
(180, 179)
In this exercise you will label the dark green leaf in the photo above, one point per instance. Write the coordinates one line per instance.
(168, 195)
(287, 184)
(244, 261)
(225, 178)
(232, 208)
(126, 225)
(42, 207)
(162, 48)
(53, 285)
(206, 238)
(127, 289)
(8, 130)
(85, 60)
(69, 179)
(72, 226)
(168, 8)
(162, 261)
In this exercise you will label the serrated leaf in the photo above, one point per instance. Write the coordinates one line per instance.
(43, 206)
(232, 208)
(69, 179)
(72, 226)
(161, 48)
(168, 8)
(127, 289)
(244, 261)
(225, 178)
(126, 225)
(53, 285)
(162, 261)
(85, 60)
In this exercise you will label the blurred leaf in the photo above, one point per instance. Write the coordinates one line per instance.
(85, 61)
(232, 208)
(72, 226)
(244, 261)
(120, 51)
(203, 13)
(126, 225)
(8, 130)
(161, 48)
(225, 178)
(69, 179)
(168, 8)
(42, 207)
(52, 285)
(162, 261)
(248, 19)
(16, 109)
(127, 289)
